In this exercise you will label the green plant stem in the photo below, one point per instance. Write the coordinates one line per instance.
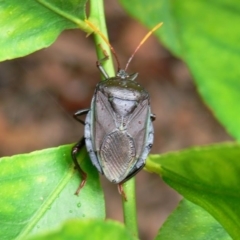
(97, 17)
(153, 167)
(129, 207)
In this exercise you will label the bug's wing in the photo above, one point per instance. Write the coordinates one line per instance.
(104, 119)
(115, 148)
(130, 162)
(138, 126)
(140, 162)
(111, 145)
(119, 152)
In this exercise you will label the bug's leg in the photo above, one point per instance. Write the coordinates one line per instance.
(75, 151)
(152, 116)
(121, 191)
(106, 57)
(102, 70)
(99, 62)
(80, 113)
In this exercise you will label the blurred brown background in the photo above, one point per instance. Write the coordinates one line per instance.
(40, 92)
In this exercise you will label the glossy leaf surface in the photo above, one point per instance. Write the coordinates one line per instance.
(31, 26)
(207, 176)
(37, 192)
(88, 229)
(191, 222)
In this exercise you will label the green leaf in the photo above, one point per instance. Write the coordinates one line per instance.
(207, 176)
(28, 27)
(191, 222)
(88, 229)
(205, 35)
(37, 191)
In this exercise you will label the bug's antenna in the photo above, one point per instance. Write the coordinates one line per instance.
(96, 30)
(141, 43)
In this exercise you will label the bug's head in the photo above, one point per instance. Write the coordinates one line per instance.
(124, 75)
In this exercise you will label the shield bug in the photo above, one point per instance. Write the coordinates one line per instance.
(118, 130)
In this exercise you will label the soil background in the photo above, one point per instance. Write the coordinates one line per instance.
(40, 92)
